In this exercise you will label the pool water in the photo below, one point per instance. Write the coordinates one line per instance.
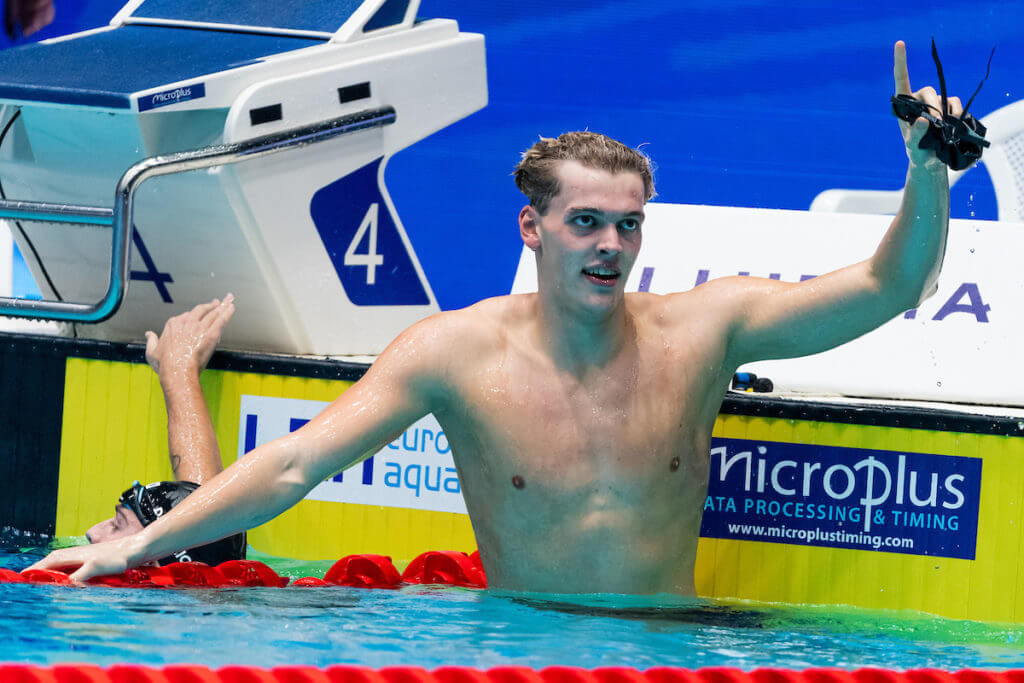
(432, 627)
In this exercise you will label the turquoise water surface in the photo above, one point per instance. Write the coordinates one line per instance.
(432, 627)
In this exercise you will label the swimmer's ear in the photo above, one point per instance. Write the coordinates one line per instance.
(529, 221)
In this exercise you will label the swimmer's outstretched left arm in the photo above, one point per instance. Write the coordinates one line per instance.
(770, 319)
(405, 383)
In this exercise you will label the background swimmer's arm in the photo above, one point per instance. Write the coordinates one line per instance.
(780, 320)
(404, 384)
(178, 356)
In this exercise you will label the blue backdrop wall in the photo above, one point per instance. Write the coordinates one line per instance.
(739, 102)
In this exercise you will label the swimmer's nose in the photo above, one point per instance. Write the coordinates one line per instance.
(97, 533)
(610, 241)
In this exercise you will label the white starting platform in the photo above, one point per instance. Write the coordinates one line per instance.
(163, 149)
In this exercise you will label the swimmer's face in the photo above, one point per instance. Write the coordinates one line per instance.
(123, 523)
(589, 238)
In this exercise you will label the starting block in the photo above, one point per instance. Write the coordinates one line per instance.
(195, 148)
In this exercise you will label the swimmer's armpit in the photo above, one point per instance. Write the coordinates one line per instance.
(958, 141)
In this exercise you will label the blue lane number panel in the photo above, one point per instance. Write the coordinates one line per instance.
(363, 242)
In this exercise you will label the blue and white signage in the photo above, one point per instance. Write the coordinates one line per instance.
(166, 98)
(362, 238)
(830, 496)
(414, 471)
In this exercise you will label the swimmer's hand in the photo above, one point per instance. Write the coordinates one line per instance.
(913, 133)
(189, 339)
(98, 559)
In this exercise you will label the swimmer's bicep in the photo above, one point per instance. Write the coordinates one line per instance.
(772, 319)
(398, 389)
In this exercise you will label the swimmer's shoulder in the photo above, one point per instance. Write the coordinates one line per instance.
(718, 299)
(475, 328)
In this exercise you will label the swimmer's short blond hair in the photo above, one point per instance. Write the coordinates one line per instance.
(535, 173)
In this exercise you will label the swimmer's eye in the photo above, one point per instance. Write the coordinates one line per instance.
(630, 224)
(584, 220)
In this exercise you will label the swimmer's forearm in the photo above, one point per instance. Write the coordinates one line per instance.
(254, 490)
(908, 261)
(191, 439)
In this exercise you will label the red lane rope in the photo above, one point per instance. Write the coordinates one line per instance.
(446, 567)
(68, 673)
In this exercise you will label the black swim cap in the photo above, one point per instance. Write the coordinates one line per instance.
(153, 501)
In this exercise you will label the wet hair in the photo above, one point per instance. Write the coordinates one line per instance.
(153, 501)
(535, 174)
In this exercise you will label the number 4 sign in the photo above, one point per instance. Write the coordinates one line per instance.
(361, 236)
(371, 259)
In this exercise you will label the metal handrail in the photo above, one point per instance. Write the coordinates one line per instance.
(120, 217)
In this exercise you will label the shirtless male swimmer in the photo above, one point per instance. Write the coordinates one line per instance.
(579, 417)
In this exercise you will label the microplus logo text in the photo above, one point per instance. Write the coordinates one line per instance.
(912, 503)
(168, 97)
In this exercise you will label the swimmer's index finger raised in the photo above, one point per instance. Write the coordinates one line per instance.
(899, 69)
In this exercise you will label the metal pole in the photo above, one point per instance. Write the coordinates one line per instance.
(120, 218)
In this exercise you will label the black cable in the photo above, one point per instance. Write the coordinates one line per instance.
(24, 235)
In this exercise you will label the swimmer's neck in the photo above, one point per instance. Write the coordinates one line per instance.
(578, 339)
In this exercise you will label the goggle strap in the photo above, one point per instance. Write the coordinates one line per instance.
(988, 68)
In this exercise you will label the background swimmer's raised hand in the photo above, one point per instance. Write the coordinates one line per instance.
(178, 356)
(912, 134)
(189, 339)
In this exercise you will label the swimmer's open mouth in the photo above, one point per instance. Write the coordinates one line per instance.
(603, 275)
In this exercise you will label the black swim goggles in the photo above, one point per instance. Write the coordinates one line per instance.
(153, 501)
(958, 141)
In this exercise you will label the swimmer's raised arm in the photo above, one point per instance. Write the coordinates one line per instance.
(178, 356)
(405, 383)
(772, 319)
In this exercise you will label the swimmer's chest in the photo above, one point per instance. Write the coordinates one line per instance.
(631, 422)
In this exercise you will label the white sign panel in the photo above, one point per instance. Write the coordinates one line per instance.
(414, 471)
(956, 347)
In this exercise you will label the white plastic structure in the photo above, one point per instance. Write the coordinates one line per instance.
(1004, 160)
(308, 240)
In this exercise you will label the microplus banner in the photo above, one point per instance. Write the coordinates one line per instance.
(414, 471)
(830, 496)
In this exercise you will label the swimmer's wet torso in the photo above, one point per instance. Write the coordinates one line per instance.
(600, 476)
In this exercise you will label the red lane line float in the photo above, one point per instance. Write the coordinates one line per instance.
(7, 576)
(183, 673)
(250, 573)
(46, 576)
(364, 571)
(446, 567)
(79, 673)
(361, 571)
(64, 673)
